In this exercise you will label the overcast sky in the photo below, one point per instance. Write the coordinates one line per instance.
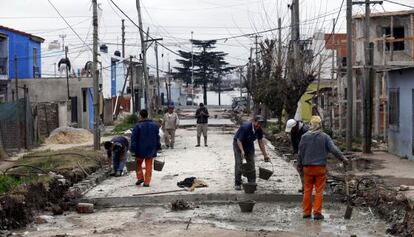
(174, 20)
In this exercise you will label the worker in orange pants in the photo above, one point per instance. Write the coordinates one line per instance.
(145, 142)
(146, 179)
(314, 147)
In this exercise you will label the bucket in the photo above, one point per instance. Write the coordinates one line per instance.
(247, 170)
(265, 173)
(158, 165)
(247, 206)
(249, 187)
(131, 166)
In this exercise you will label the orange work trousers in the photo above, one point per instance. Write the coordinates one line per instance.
(314, 176)
(148, 170)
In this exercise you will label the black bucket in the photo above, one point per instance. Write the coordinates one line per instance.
(265, 173)
(131, 166)
(247, 170)
(158, 165)
(249, 187)
(247, 206)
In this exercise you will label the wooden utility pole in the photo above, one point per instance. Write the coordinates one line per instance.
(295, 33)
(169, 84)
(16, 77)
(330, 108)
(96, 135)
(67, 72)
(350, 92)
(144, 60)
(123, 38)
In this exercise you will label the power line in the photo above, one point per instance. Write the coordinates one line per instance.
(401, 4)
(170, 50)
(67, 23)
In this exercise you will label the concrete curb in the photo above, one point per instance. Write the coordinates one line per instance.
(213, 198)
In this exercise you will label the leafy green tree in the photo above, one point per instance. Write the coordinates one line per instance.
(209, 65)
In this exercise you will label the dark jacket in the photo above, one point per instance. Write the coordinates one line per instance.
(295, 138)
(247, 135)
(145, 139)
(314, 148)
(202, 118)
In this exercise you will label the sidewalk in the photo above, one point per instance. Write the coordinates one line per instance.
(394, 170)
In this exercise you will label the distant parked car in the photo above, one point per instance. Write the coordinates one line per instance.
(239, 103)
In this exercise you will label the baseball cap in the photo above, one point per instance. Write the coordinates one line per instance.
(291, 123)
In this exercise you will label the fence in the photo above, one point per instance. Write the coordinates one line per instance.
(16, 125)
(47, 115)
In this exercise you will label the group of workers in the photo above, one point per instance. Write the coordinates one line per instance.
(310, 147)
(145, 142)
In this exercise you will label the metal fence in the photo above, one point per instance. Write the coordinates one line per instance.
(16, 125)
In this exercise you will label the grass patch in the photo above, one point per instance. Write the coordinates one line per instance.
(8, 183)
(58, 160)
(272, 127)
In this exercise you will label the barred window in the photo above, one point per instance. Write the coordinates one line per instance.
(394, 108)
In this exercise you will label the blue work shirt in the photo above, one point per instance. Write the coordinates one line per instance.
(145, 139)
(247, 135)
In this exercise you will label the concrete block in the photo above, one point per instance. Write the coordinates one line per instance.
(85, 208)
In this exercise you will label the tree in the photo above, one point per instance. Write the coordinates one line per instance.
(209, 65)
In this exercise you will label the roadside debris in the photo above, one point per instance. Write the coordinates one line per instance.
(85, 208)
(192, 183)
(404, 188)
(180, 205)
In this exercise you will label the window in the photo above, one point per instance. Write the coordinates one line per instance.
(34, 57)
(394, 109)
(398, 34)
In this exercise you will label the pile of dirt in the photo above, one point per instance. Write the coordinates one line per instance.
(179, 205)
(69, 135)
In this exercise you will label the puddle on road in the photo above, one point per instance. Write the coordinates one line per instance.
(267, 217)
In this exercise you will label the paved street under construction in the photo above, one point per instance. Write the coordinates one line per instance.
(123, 209)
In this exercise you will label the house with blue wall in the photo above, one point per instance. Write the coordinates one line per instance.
(19, 50)
(401, 112)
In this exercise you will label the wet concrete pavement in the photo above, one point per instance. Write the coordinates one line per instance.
(267, 219)
(213, 164)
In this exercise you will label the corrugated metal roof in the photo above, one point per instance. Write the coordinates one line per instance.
(33, 37)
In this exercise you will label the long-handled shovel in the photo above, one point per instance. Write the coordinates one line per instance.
(349, 208)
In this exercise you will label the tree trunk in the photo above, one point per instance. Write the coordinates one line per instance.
(205, 93)
(219, 94)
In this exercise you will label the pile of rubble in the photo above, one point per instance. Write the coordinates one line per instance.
(181, 204)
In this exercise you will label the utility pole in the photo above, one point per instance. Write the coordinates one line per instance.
(63, 36)
(192, 69)
(368, 78)
(67, 73)
(295, 32)
(123, 38)
(158, 76)
(16, 77)
(241, 81)
(279, 55)
(96, 135)
(131, 84)
(350, 93)
(332, 71)
(144, 59)
(169, 83)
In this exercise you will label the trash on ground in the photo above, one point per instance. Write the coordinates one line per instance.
(181, 204)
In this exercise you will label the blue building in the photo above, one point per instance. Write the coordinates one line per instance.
(401, 112)
(25, 48)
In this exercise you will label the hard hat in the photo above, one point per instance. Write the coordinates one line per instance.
(290, 124)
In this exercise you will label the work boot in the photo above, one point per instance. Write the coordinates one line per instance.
(172, 146)
(318, 217)
(118, 174)
(300, 190)
(237, 187)
(306, 216)
(139, 182)
(146, 185)
(205, 141)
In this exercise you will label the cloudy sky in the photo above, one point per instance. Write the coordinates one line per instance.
(173, 20)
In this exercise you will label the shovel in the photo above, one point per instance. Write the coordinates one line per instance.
(349, 208)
